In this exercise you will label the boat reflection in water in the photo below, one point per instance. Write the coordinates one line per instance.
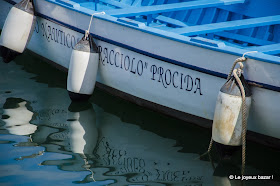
(144, 157)
(78, 138)
(111, 150)
(223, 172)
(16, 117)
(76, 135)
(110, 142)
(107, 147)
(116, 151)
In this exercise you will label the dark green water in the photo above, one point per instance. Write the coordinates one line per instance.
(47, 140)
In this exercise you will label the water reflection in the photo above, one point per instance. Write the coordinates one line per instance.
(223, 171)
(106, 141)
(16, 117)
(110, 148)
(83, 132)
(139, 156)
(104, 145)
(77, 137)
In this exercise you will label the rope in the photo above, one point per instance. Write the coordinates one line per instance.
(87, 31)
(236, 73)
(244, 121)
(239, 60)
(87, 168)
(209, 148)
(244, 108)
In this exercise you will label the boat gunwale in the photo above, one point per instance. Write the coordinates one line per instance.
(168, 60)
(169, 7)
(135, 102)
(173, 36)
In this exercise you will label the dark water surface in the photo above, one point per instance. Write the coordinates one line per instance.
(47, 140)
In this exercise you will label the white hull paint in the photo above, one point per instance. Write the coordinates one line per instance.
(160, 82)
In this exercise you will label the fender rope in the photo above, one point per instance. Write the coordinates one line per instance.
(244, 121)
(87, 31)
(244, 109)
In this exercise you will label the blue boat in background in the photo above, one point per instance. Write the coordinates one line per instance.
(172, 56)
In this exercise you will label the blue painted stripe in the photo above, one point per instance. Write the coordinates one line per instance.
(244, 38)
(228, 25)
(268, 49)
(116, 3)
(168, 60)
(169, 20)
(68, 3)
(172, 36)
(170, 7)
(192, 67)
(176, 37)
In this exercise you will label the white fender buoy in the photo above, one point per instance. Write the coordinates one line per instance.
(83, 69)
(227, 123)
(17, 31)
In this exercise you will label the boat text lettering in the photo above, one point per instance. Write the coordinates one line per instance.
(59, 36)
(175, 79)
(122, 61)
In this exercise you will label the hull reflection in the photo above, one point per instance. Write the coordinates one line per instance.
(16, 117)
(109, 148)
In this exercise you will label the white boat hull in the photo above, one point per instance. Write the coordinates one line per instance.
(177, 86)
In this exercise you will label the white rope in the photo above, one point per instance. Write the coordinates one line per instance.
(87, 31)
(249, 53)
